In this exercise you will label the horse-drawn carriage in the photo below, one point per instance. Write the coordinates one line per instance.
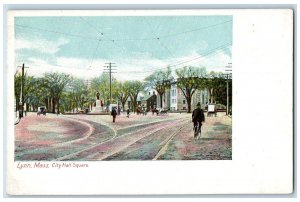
(141, 111)
(159, 111)
(42, 110)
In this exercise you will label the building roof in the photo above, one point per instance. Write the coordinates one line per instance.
(146, 97)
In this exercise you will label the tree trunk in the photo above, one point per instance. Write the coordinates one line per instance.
(123, 105)
(53, 105)
(58, 105)
(134, 105)
(189, 100)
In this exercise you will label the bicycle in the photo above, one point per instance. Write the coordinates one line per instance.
(197, 130)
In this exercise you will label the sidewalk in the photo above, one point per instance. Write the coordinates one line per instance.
(35, 132)
(215, 142)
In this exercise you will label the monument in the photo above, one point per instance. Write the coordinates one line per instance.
(98, 107)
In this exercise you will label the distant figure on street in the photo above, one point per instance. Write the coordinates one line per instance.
(197, 118)
(128, 112)
(119, 110)
(114, 114)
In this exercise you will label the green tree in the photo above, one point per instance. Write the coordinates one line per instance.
(32, 91)
(122, 92)
(78, 91)
(189, 80)
(160, 81)
(217, 87)
(36, 94)
(55, 83)
(135, 87)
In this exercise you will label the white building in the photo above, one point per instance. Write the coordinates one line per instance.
(165, 100)
(173, 97)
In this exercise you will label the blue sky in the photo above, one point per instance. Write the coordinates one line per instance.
(81, 45)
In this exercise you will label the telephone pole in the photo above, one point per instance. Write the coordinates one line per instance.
(108, 69)
(228, 72)
(21, 103)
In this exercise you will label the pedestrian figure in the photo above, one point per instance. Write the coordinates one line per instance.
(198, 118)
(114, 114)
(128, 112)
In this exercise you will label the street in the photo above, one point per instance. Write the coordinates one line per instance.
(84, 137)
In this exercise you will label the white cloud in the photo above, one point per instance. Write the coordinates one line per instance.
(215, 61)
(133, 68)
(41, 45)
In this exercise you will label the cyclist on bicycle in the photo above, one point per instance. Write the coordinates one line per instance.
(198, 118)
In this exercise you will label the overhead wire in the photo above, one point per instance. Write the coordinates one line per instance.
(122, 39)
(209, 52)
(152, 38)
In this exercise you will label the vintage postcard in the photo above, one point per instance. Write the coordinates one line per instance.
(93, 91)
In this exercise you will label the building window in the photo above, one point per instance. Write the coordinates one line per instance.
(183, 102)
(174, 92)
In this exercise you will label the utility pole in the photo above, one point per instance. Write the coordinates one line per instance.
(109, 70)
(228, 72)
(21, 103)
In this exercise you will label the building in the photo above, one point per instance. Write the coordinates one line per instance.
(173, 97)
(199, 96)
(181, 101)
(129, 104)
(149, 101)
(178, 101)
(166, 100)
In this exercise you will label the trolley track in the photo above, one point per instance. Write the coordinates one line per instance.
(150, 147)
(99, 151)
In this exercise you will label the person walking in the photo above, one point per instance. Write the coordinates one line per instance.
(128, 112)
(114, 114)
(198, 118)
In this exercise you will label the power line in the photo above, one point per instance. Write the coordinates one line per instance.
(124, 39)
(101, 33)
(224, 46)
(194, 30)
(210, 52)
(158, 39)
(98, 32)
(56, 32)
(92, 60)
(207, 53)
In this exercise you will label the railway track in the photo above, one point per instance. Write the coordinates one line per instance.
(92, 153)
(167, 141)
(141, 153)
